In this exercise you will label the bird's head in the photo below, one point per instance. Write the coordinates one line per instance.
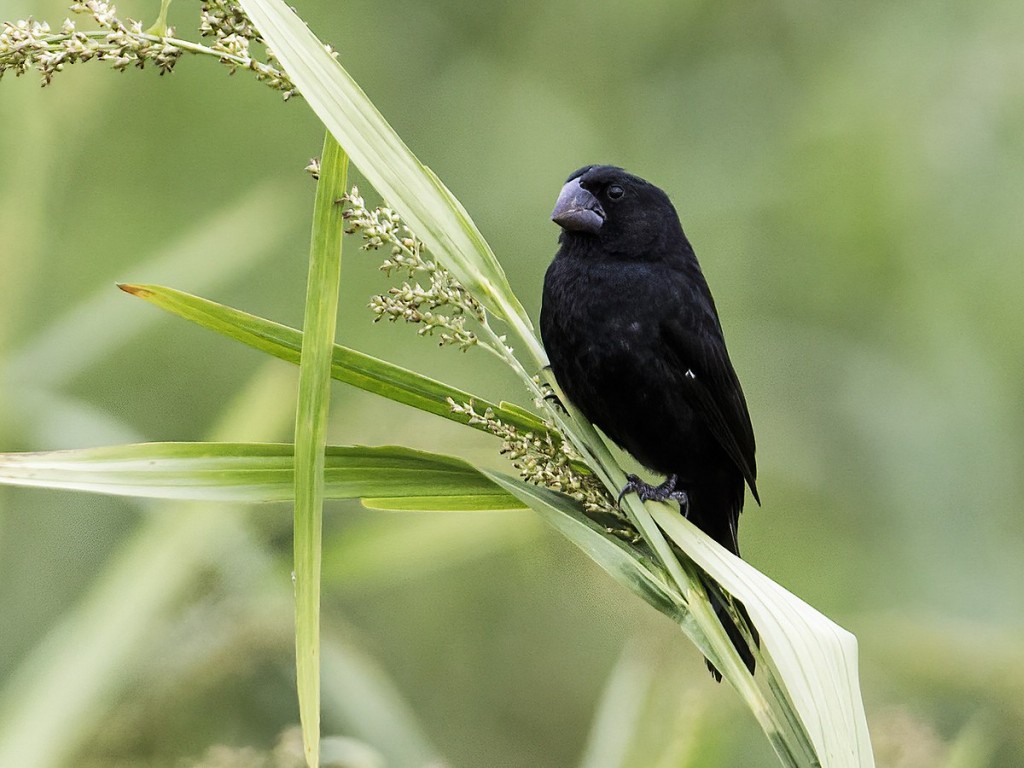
(622, 211)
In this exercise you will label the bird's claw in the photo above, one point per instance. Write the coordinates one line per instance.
(550, 394)
(632, 481)
(556, 401)
(647, 492)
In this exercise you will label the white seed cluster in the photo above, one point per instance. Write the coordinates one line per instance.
(223, 18)
(30, 44)
(544, 460)
(437, 302)
(226, 22)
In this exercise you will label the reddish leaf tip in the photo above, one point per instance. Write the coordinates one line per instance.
(135, 290)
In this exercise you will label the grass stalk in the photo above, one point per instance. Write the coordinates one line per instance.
(311, 434)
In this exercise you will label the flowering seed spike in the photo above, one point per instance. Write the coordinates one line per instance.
(123, 43)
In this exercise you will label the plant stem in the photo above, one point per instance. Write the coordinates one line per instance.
(177, 42)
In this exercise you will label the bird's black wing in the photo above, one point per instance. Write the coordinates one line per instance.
(712, 390)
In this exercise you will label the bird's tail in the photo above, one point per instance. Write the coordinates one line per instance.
(715, 509)
(735, 634)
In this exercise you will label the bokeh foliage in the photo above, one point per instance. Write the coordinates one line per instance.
(851, 178)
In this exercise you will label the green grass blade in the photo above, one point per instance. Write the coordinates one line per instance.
(427, 205)
(311, 433)
(251, 472)
(816, 659)
(349, 366)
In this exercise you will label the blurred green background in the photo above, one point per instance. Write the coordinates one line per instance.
(852, 177)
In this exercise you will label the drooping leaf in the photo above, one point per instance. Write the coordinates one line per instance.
(814, 658)
(813, 662)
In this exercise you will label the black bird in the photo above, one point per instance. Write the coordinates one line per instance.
(635, 343)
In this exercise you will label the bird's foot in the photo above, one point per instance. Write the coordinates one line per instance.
(647, 492)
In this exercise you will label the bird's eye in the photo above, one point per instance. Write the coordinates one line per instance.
(615, 192)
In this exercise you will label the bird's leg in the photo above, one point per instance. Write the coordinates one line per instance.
(647, 492)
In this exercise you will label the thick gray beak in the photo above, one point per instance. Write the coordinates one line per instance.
(576, 210)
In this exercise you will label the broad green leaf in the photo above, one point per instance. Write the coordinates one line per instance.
(311, 413)
(250, 472)
(814, 658)
(389, 165)
(349, 366)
